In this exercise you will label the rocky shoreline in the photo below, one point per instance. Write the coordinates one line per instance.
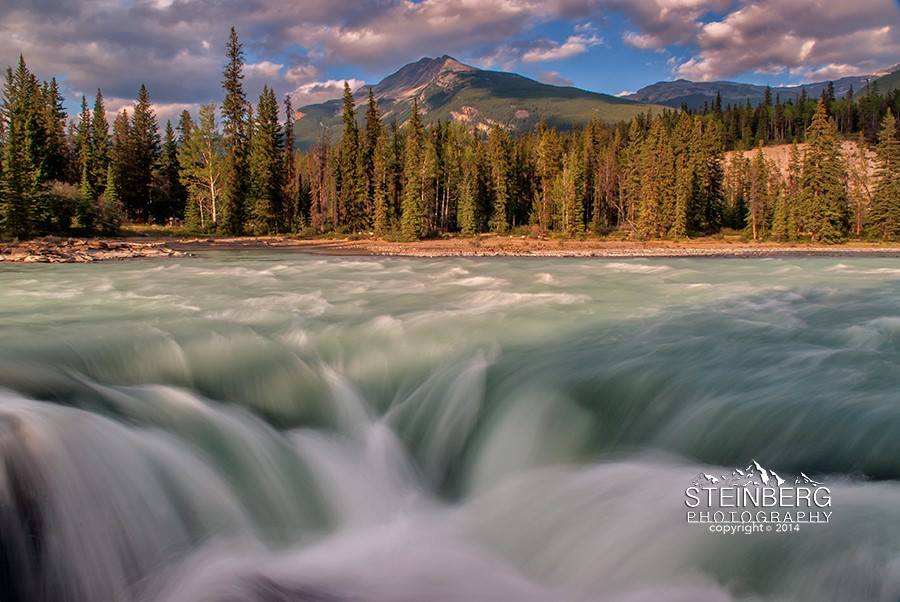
(86, 250)
(82, 250)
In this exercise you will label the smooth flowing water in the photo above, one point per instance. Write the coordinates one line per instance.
(288, 427)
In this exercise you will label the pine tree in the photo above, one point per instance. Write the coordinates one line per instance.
(685, 145)
(85, 150)
(792, 192)
(467, 217)
(16, 191)
(632, 175)
(235, 139)
(885, 214)
(170, 195)
(85, 212)
(779, 230)
(549, 164)
(607, 183)
(709, 213)
(120, 156)
(412, 219)
(571, 193)
(99, 143)
(350, 178)
(369, 150)
(266, 158)
(381, 175)
(859, 187)
(499, 158)
(293, 218)
(54, 118)
(759, 195)
(823, 182)
(144, 148)
(109, 216)
(657, 182)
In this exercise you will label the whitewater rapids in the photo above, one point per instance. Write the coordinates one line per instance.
(249, 426)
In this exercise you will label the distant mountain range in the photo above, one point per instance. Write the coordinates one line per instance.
(694, 95)
(447, 89)
(890, 82)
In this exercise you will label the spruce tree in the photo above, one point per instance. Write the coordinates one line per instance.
(412, 219)
(86, 210)
(381, 219)
(823, 181)
(170, 195)
(16, 191)
(120, 156)
(885, 213)
(292, 212)
(54, 117)
(571, 191)
(759, 195)
(780, 230)
(859, 187)
(144, 148)
(684, 148)
(85, 148)
(370, 149)
(467, 211)
(632, 174)
(498, 148)
(657, 182)
(792, 191)
(99, 143)
(548, 166)
(349, 177)
(709, 213)
(266, 157)
(109, 215)
(235, 136)
(607, 183)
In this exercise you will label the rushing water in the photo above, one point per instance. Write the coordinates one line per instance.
(287, 427)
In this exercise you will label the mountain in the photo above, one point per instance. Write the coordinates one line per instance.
(891, 81)
(447, 89)
(695, 94)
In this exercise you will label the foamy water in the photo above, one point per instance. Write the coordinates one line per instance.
(252, 426)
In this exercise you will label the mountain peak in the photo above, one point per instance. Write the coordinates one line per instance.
(449, 90)
(410, 79)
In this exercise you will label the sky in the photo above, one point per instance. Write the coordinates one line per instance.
(308, 48)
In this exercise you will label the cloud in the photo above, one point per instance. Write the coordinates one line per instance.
(554, 78)
(806, 38)
(176, 47)
(164, 111)
(664, 22)
(316, 92)
(553, 51)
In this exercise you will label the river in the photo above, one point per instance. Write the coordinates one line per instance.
(280, 426)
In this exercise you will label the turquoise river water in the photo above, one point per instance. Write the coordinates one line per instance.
(251, 426)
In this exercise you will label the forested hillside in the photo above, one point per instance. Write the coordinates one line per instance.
(232, 171)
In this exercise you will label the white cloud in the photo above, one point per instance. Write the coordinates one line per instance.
(316, 92)
(553, 51)
(810, 39)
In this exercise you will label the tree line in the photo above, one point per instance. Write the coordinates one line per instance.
(233, 170)
(777, 121)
